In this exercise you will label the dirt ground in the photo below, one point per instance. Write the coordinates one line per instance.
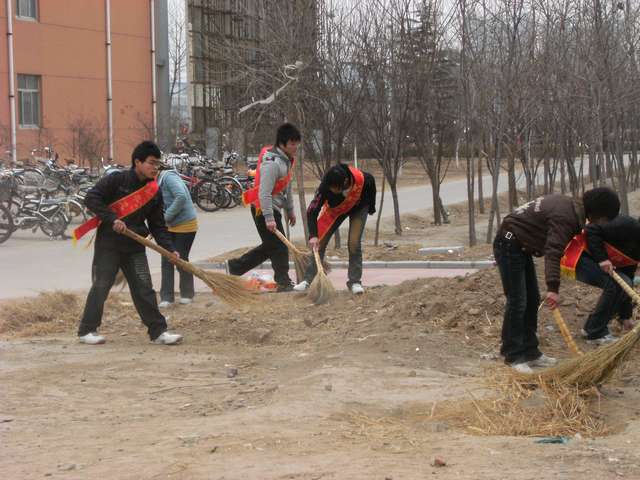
(390, 385)
(287, 390)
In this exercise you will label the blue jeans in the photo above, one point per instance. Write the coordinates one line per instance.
(613, 299)
(520, 285)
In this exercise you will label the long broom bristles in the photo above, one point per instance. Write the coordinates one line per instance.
(301, 259)
(321, 289)
(232, 290)
(597, 366)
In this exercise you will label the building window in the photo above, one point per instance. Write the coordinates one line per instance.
(29, 100)
(27, 9)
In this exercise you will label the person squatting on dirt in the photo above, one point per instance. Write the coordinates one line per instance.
(182, 223)
(542, 227)
(609, 241)
(344, 192)
(126, 199)
(272, 192)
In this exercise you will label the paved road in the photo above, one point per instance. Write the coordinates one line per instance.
(30, 262)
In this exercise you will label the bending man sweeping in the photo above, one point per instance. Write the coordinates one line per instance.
(542, 227)
(271, 194)
(609, 241)
(344, 192)
(126, 199)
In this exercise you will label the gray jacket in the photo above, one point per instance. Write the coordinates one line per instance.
(275, 165)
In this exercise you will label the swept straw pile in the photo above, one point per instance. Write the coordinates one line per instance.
(321, 289)
(232, 290)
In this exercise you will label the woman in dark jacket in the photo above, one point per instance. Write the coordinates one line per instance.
(345, 192)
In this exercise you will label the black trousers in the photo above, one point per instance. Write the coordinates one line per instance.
(271, 248)
(357, 221)
(613, 300)
(135, 267)
(520, 285)
(183, 243)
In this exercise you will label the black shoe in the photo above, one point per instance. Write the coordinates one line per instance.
(285, 287)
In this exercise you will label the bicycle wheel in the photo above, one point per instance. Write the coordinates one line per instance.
(6, 224)
(234, 187)
(76, 209)
(32, 176)
(56, 225)
(207, 196)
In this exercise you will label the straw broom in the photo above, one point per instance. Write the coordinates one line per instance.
(597, 366)
(232, 290)
(321, 289)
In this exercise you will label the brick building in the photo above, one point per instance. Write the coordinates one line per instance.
(77, 75)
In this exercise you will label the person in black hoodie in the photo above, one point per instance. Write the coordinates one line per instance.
(611, 242)
(126, 199)
(344, 192)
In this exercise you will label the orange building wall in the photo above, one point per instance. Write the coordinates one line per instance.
(67, 48)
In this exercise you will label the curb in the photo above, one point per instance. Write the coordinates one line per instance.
(437, 250)
(417, 264)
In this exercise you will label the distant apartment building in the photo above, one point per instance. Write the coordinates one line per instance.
(226, 40)
(79, 75)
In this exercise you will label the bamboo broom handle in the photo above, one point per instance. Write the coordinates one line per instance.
(154, 246)
(625, 286)
(564, 331)
(630, 291)
(286, 241)
(316, 255)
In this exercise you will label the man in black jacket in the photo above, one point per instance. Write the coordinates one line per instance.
(114, 251)
(612, 242)
(540, 228)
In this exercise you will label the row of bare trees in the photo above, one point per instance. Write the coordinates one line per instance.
(538, 95)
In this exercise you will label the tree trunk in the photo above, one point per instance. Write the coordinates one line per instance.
(301, 197)
(547, 173)
(377, 236)
(513, 193)
(480, 193)
(471, 210)
(396, 207)
(435, 194)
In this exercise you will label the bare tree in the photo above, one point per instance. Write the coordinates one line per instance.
(178, 56)
(88, 140)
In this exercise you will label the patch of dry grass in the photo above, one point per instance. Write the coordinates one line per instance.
(49, 312)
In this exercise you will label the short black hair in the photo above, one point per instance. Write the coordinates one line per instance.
(336, 176)
(287, 132)
(601, 202)
(144, 150)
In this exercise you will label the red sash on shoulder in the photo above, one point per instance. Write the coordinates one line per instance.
(122, 208)
(578, 245)
(252, 196)
(329, 215)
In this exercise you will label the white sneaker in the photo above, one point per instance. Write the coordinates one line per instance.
(301, 287)
(168, 338)
(543, 361)
(356, 289)
(165, 304)
(185, 301)
(521, 367)
(92, 338)
(606, 340)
